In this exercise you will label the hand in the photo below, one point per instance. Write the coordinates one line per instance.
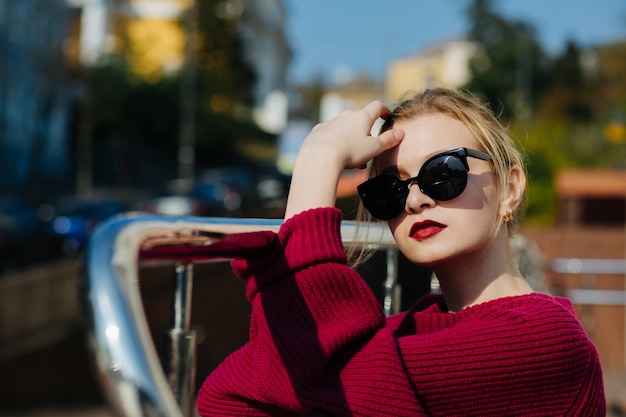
(342, 142)
(346, 138)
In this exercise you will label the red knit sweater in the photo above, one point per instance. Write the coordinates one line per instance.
(320, 341)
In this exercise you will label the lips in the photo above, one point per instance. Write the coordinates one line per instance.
(425, 229)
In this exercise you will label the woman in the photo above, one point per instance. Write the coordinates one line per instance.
(448, 179)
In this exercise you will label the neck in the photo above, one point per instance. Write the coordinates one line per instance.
(477, 278)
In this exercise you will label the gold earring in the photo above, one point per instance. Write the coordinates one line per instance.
(508, 216)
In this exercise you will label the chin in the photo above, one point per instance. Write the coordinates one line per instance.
(425, 257)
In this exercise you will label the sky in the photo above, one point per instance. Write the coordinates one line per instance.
(341, 38)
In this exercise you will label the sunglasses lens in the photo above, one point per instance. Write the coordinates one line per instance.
(443, 178)
(383, 196)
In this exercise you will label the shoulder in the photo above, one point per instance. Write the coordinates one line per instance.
(527, 312)
(537, 320)
(531, 306)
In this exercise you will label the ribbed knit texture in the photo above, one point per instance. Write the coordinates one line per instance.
(319, 341)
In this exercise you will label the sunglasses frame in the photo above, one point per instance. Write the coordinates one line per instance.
(398, 190)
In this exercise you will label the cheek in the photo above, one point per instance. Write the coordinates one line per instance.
(394, 224)
(400, 228)
(481, 194)
(478, 212)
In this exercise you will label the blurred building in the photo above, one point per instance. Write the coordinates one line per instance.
(351, 96)
(151, 29)
(586, 249)
(154, 42)
(90, 36)
(444, 65)
(591, 198)
(35, 94)
(266, 48)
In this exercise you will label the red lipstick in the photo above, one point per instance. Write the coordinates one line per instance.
(425, 229)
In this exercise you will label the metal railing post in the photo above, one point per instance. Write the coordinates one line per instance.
(391, 302)
(181, 358)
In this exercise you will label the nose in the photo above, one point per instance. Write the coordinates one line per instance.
(417, 201)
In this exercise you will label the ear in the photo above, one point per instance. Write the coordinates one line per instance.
(515, 190)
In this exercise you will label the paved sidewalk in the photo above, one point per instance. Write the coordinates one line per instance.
(93, 411)
(61, 412)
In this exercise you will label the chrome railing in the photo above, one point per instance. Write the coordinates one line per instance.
(591, 268)
(127, 362)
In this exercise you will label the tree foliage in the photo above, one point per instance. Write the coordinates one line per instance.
(134, 115)
(558, 107)
(225, 79)
(567, 95)
(509, 71)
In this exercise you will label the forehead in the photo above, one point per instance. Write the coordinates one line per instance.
(425, 136)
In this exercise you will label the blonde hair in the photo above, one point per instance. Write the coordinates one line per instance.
(492, 137)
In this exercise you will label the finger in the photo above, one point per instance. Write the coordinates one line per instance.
(376, 109)
(391, 138)
(376, 145)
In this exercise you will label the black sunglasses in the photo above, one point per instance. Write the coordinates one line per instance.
(443, 177)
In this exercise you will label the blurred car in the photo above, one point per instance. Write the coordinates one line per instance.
(233, 191)
(272, 188)
(226, 191)
(242, 190)
(175, 205)
(219, 198)
(72, 219)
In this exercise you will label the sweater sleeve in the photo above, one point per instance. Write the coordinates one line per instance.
(318, 339)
